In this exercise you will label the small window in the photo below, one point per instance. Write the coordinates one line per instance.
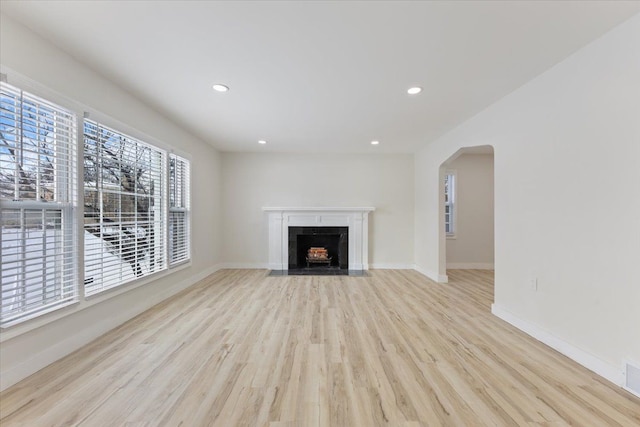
(450, 203)
(179, 235)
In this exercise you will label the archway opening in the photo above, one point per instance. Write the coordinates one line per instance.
(467, 235)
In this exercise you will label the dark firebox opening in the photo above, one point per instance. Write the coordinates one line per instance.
(334, 239)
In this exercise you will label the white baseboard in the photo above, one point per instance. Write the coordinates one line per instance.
(377, 266)
(584, 358)
(439, 278)
(11, 375)
(247, 266)
(257, 265)
(391, 266)
(470, 266)
(631, 381)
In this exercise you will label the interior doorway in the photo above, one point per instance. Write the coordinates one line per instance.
(467, 237)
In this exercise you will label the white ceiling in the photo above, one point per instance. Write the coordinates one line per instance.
(319, 76)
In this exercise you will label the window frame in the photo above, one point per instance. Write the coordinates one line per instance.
(450, 202)
(156, 246)
(63, 202)
(183, 208)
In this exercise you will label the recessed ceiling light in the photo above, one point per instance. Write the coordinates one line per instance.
(414, 90)
(220, 88)
(262, 141)
(375, 142)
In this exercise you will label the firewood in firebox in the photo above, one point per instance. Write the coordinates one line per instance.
(317, 253)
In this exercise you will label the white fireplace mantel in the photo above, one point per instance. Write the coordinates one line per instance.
(280, 219)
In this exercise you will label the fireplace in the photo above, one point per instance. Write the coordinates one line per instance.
(355, 220)
(332, 240)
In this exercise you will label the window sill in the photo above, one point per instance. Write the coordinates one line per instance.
(39, 314)
(22, 326)
(451, 237)
(117, 290)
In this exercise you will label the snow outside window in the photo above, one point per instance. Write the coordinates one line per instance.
(37, 205)
(124, 208)
(179, 232)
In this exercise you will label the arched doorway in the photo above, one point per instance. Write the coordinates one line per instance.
(467, 213)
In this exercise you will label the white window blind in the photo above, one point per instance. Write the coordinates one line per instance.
(449, 203)
(179, 210)
(37, 197)
(124, 208)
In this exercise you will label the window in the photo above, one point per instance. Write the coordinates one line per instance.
(450, 203)
(37, 200)
(132, 207)
(124, 210)
(179, 235)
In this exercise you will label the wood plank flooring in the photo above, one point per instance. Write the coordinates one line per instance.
(244, 349)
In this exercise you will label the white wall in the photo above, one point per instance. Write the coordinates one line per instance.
(472, 246)
(25, 348)
(253, 181)
(567, 202)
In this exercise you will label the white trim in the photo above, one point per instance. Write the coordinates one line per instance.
(626, 363)
(584, 358)
(27, 84)
(631, 391)
(391, 266)
(438, 278)
(470, 266)
(267, 266)
(245, 265)
(75, 341)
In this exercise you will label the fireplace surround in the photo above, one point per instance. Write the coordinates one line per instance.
(356, 220)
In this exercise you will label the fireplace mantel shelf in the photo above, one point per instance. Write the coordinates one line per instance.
(281, 218)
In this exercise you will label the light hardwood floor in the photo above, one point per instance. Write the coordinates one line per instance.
(244, 349)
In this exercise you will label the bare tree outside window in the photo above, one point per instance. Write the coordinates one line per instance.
(36, 204)
(122, 181)
(136, 207)
(27, 144)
